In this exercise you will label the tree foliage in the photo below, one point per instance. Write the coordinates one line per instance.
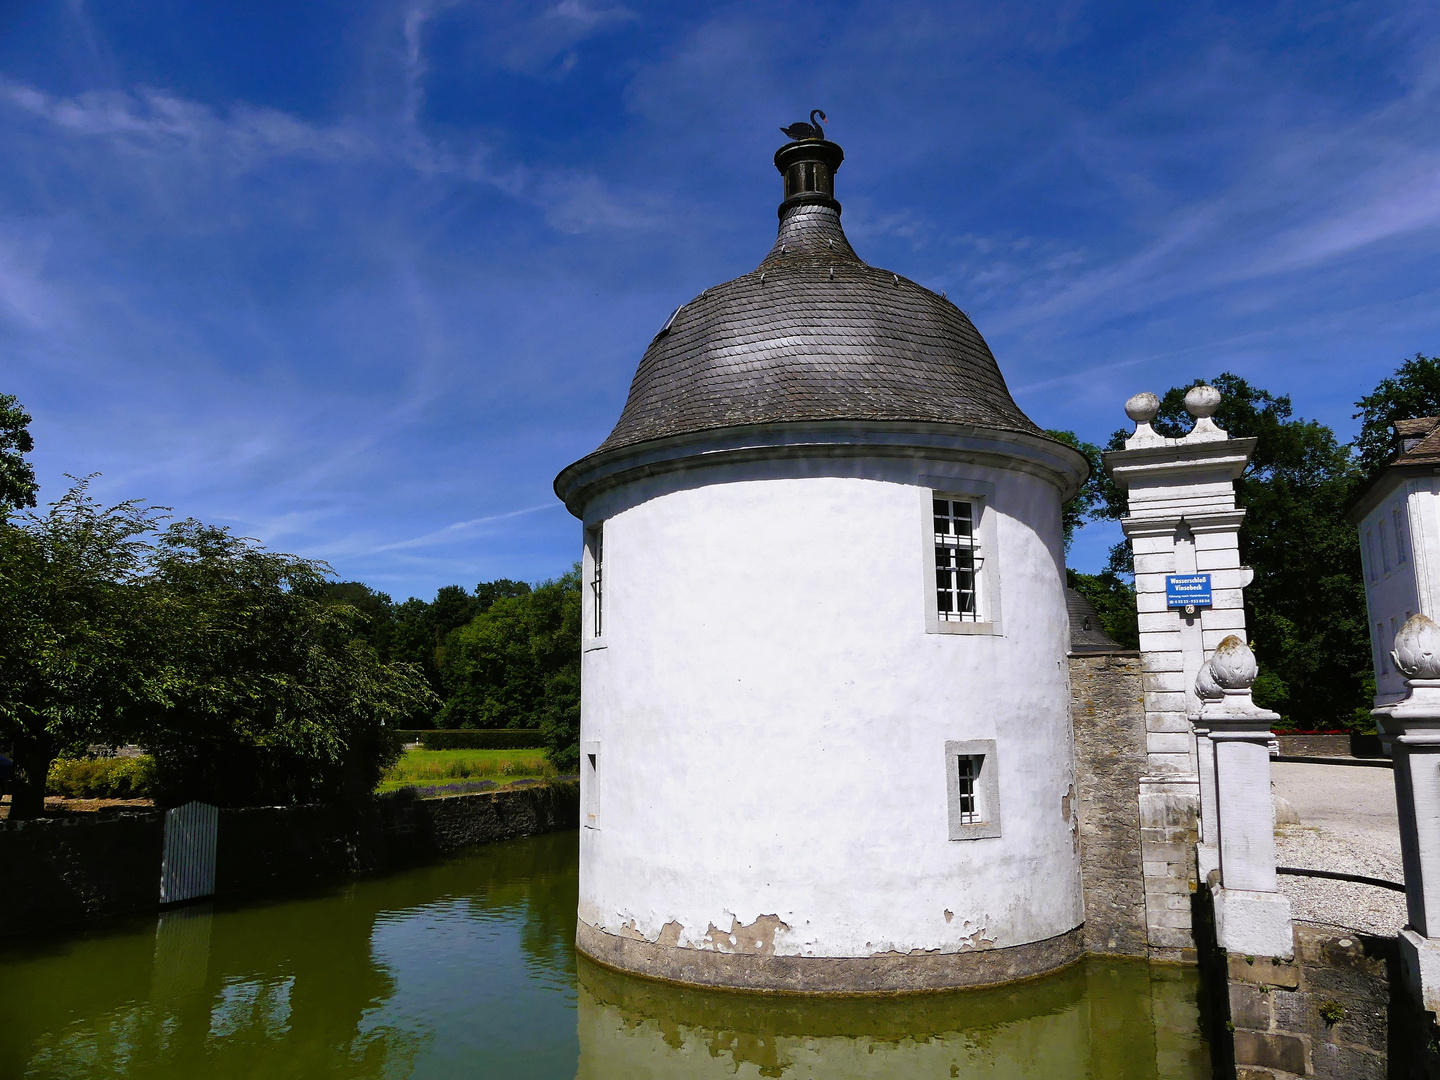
(205, 648)
(518, 665)
(77, 654)
(1413, 391)
(17, 476)
(271, 695)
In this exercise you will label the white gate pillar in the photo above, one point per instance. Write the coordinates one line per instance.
(1412, 733)
(1252, 917)
(1182, 520)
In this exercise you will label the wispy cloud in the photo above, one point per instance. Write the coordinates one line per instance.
(464, 530)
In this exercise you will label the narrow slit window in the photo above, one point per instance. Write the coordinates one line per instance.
(1384, 546)
(1370, 555)
(957, 561)
(591, 785)
(597, 581)
(1399, 534)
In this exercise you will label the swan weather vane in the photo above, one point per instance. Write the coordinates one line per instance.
(812, 130)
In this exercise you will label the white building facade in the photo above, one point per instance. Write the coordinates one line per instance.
(1398, 516)
(825, 740)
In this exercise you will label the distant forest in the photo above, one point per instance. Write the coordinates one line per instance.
(505, 655)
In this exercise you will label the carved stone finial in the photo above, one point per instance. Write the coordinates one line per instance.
(1206, 688)
(1417, 648)
(1233, 664)
(1143, 407)
(1202, 401)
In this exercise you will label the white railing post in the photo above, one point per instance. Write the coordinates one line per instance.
(1411, 730)
(1252, 916)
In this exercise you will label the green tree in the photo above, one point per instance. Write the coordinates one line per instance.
(17, 476)
(271, 693)
(78, 655)
(1306, 607)
(1412, 392)
(518, 665)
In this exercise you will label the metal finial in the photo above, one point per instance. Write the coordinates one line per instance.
(801, 130)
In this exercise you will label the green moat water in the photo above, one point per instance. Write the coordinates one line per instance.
(468, 969)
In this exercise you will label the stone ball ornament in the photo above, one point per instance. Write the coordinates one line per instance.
(1206, 688)
(1417, 648)
(1143, 407)
(1233, 664)
(1202, 401)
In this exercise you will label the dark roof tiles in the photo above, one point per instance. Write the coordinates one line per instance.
(813, 333)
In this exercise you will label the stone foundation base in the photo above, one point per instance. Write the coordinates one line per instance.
(885, 974)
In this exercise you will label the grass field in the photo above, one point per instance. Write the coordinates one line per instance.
(420, 768)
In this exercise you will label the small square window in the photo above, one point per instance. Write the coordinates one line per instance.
(972, 789)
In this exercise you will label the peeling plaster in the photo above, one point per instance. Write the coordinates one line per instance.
(949, 915)
(756, 939)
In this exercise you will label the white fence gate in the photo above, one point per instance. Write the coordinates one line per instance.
(188, 869)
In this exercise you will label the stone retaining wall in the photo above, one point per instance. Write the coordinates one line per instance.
(1107, 711)
(1338, 1009)
(59, 872)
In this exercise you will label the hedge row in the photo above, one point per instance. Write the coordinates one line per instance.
(476, 739)
(101, 778)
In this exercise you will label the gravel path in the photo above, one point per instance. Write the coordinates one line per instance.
(1348, 825)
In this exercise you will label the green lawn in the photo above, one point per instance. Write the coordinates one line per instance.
(437, 767)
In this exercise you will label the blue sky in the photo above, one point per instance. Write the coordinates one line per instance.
(358, 279)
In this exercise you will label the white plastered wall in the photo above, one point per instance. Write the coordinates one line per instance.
(771, 716)
(1400, 582)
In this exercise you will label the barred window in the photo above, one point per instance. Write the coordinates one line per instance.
(969, 802)
(972, 788)
(957, 561)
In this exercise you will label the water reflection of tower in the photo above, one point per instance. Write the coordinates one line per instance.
(1114, 1019)
(825, 721)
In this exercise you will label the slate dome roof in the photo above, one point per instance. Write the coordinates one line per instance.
(814, 334)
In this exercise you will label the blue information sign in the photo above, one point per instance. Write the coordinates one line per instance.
(1187, 590)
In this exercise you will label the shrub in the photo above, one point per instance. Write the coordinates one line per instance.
(102, 778)
(475, 739)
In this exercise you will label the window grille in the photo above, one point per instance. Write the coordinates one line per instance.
(597, 579)
(1399, 535)
(969, 808)
(957, 561)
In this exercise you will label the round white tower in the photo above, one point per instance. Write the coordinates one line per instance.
(825, 736)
